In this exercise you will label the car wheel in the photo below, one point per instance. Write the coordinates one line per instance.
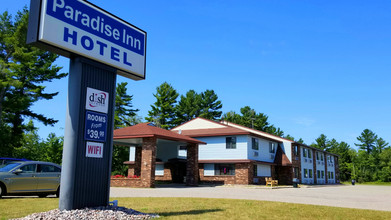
(42, 195)
(2, 190)
(58, 192)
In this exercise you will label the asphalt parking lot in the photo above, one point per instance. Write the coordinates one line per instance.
(358, 196)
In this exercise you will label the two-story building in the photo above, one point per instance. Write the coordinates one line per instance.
(233, 154)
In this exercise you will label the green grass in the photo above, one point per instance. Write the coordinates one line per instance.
(369, 183)
(200, 208)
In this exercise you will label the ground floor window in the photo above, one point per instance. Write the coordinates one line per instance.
(224, 169)
(305, 173)
(296, 172)
(255, 170)
(318, 174)
(310, 172)
(322, 174)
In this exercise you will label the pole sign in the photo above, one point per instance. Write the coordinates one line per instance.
(79, 27)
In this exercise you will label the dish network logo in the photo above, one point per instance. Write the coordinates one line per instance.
(97, 100)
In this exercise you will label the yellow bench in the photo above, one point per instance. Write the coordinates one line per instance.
(271, 182)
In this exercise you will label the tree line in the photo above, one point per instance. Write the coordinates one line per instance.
(24, 68)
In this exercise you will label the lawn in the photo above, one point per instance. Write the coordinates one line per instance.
(201, 208)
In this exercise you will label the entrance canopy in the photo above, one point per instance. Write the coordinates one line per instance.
(156, 144)
(134, 135)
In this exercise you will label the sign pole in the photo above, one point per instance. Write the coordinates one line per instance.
(85, 180)
(100, 45)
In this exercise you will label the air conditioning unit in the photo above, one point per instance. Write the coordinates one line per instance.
(318, 162)
(305, 160)
(272, 156)
(310, 161)
(255, 153)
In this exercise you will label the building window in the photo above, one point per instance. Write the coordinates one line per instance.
(230, 142)
(224, 169)
(317, 155)
(296, 150)
(322, 174)
(255, 144)
(332, 175)
(318, 174)
(305, 173)
(296, 172)
(328, 174)
(310, 172)
(255, 170)
(182, 147)
(309, 153)
(304, 152)
(272, 147)
(321, 157)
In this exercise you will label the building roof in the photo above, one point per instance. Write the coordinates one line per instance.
(314, 148)
(212, 128)
(146, 130)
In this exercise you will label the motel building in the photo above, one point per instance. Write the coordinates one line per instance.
(226, 153)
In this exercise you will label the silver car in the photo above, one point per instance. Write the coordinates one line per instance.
(30, 178)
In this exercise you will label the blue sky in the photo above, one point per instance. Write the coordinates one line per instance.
(312, 66)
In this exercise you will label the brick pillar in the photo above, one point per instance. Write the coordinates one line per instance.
(192, 165)
(131, 170)
(137, 161)
(148, 162)
(243, 173)
(314, 165)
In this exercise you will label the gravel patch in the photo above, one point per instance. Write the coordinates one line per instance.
(102, 212)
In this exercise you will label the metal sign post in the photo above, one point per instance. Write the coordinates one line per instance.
(100, 46)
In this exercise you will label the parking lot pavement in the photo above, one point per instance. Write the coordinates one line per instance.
(358, 196)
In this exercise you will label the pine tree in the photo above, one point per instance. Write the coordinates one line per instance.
(23, 69)
(367, 139)
(188, 107)
(124, 114)
(210, 105)
(163, 110)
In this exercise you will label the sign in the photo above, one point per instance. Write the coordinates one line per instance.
(79, 27)
(97, 100)
(96, 126)
(94, 149)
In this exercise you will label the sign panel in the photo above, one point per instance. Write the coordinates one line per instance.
(84, 29)
(96, 126)
(97, 100)
(94, 149)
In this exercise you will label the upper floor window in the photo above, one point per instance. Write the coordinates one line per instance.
(255, 144)
(304, 152)
(296, 150)
(309, 153)
(317, 156)
(321, 156)
(272, 147)
(230, 142)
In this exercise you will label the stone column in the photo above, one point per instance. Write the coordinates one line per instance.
(148, 162)
(192, 165)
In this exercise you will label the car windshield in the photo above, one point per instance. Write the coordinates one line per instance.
(9, 167)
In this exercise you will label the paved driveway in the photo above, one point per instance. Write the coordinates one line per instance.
(359, 196)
